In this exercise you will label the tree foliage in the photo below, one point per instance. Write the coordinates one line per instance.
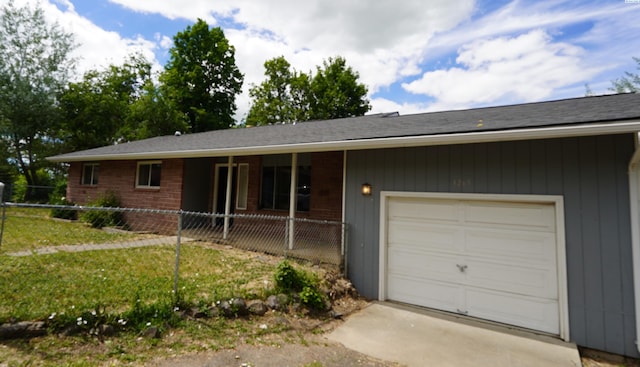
(119, 103)
(287, 95)
(95, 109)
(35, 63)
(153, 114)
(630, 82)
(202, 78)
(336, 92)
(282, 97)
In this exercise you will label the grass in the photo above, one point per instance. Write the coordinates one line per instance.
(31, 228)
(35, 287)
(65, 285)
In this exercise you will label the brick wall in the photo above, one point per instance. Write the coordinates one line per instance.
(119, 177)
(326, 187)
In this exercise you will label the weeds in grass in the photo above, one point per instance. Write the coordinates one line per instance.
(289, 279)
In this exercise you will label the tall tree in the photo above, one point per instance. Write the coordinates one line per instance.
(630, 82)
(152, 114)
(336, 92)
(119, 103)
(287, 95)
(202, 77)
(283, 97)
(35, 63)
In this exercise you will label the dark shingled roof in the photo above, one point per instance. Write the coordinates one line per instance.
(541, 115)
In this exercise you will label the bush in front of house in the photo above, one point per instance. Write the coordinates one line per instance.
(104, 218)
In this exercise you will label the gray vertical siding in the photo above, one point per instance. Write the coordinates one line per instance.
(589, 172)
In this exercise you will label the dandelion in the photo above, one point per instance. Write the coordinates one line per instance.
(93, 312)
(148, 323)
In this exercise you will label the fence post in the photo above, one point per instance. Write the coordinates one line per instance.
(177, 268)
(3, 207)
(286, 236)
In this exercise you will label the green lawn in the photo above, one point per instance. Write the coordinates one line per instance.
(66, 285)
(33, 228)
(36, 286)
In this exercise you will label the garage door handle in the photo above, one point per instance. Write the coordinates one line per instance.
(462, 268)
(462, 312)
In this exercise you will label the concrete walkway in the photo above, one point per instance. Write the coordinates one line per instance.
(156, 241)
(415, 337)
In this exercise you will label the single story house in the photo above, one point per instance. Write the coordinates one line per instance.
(527, 215)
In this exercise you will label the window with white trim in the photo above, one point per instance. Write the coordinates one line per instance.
(148, 174)
(90, 174)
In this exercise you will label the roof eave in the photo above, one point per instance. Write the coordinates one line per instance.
(378, 143)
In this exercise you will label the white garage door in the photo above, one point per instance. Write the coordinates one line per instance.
(488, 259)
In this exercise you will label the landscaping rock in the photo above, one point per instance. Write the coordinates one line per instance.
(70, 330)
(24, 329)
(239, 306)
(257, 308)
(225, 309)
(277, 302)
(197, 313)
(106, 330)
(152, 332)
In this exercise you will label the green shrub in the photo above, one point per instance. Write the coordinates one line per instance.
(289, 279)
(313, 298)
(59, 212)
(100, 218)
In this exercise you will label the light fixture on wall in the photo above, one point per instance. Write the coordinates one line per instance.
(366, 189)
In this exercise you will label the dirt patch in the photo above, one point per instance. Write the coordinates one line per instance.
(596, 358)
(316, 351)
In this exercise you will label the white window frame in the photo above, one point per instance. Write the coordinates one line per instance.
(148, 185)
(93, 174)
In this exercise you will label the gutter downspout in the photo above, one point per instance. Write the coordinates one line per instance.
(634, 197)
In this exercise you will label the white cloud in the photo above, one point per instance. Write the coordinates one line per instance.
(383, 105)
(506, 55)
(511, 69)
(97, 47)
(382, 40)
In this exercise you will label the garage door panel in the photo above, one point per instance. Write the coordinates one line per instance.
(441, 295)
(441, 238)
(424, 265)
(531, 217)
(513, 246)
(511, 278)
(488, 259)
(435, 210)
(528, 312)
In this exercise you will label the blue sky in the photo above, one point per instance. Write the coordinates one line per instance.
(414, 55)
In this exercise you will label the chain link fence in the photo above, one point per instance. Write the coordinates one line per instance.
(44, 228)
(59, 259)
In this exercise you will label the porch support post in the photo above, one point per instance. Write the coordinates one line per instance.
(293, 198)
(227, 202)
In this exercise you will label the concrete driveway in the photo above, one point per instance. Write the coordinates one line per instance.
(415, 337)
